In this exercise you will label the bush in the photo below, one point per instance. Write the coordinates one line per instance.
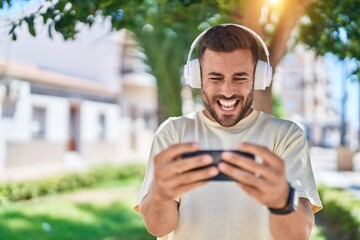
(342, 211)
(15, 191)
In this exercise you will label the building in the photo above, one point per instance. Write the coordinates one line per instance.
(70, 105)
(303, 85)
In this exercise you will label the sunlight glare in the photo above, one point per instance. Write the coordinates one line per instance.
(274, 2)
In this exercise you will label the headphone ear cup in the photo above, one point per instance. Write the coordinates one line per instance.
(192, 74)
(263, 75)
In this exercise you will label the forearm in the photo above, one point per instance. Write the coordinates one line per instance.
(160, 217)
(297, 225)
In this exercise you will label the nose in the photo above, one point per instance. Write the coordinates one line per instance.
(228, 88)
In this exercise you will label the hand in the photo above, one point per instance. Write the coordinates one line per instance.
(172, 176)
(265, 181)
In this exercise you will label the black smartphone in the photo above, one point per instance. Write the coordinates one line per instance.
(216, 155)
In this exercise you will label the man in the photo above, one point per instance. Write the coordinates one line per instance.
(177, 200)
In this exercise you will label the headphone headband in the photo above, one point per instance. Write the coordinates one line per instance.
(198, 39)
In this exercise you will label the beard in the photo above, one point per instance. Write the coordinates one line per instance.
(228, 120)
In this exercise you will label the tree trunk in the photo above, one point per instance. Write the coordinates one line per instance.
(292, 11)
(263, 100)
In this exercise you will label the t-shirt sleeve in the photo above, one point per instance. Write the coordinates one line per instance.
(295, 153)
(163, 139)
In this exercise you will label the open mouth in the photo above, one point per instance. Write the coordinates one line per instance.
(227, 105)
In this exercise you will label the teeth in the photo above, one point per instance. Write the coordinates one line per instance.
(227, 104)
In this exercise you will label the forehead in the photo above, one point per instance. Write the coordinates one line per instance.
(239, 58)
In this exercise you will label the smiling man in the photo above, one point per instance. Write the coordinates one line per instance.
(274, 198)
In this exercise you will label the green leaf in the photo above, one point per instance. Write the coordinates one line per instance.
(30, 22)
(50, 31)
(13, 36)
(13, 27)
(32, 30)
(45, 17)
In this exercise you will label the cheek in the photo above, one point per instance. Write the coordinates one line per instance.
(206, 86)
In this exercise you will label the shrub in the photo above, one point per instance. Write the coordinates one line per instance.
(15, 191)
(342, 211)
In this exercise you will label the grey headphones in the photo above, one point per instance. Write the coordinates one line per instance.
(263, 72)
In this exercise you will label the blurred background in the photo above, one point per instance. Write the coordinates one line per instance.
(84, 85)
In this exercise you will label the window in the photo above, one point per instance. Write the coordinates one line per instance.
(38, 126)
(101, 127)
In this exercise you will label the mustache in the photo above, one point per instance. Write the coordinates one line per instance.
(234, 96)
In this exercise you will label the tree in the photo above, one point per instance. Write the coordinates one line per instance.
(165, 28)
(334, 27)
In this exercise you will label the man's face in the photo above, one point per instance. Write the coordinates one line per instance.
(227, 85)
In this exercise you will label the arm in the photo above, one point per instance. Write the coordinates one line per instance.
(172, 178)
(287, 226)
(160, 217)
(267, 183)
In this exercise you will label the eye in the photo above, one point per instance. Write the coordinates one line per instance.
(240, 79)
(215, 79)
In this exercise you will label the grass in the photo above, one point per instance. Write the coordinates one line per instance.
(81, 215)
(104, 212)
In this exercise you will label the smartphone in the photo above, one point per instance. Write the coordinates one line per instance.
(216, 155)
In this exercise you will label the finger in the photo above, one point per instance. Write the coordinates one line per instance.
(187, 164)
(261, 197)
(183, 165)
(264, 153)
(175, 150)
(192, 176)
(249, 165)
(243, 176)
(188, 187)
(250, 190)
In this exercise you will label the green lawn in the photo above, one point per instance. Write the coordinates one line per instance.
(96, 214)
(104, 213)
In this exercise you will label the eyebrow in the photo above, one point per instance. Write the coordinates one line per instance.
(215, 74)
(239, 74)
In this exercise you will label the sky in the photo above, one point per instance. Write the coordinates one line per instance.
(337, 73)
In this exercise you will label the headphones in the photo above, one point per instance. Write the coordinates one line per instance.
(263, 70)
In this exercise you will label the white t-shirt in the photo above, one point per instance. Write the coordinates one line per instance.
(222, 210)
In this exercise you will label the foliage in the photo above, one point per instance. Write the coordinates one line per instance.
(342, 210)
(165, 29)
(278, 107)
(93, 216)
(333, 26)
(317, 234)
(15, 191)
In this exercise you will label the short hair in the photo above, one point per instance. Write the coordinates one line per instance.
(227, 38)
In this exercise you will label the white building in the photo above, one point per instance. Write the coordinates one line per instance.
(60, 122)
(75, 103)
(302, 82)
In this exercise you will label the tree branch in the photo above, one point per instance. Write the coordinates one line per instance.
(293, 10)
(288, 20)
(250, 16)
